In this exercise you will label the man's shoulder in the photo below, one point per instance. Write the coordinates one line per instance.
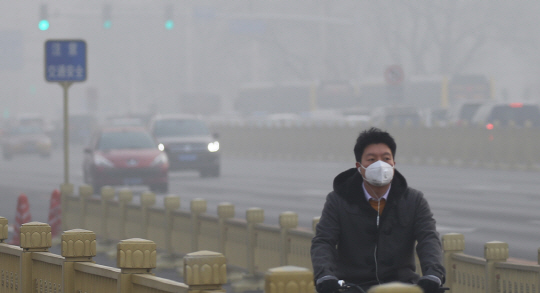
(414, 192)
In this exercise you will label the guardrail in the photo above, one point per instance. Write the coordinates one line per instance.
(31, 268)
(513, 148)
(257, 248)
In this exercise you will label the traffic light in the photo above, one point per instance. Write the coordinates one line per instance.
(43, 18)
(107, 21)
(169, 21)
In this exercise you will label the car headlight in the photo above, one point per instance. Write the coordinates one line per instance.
(213, 146)
(101, 161)
(161, 159)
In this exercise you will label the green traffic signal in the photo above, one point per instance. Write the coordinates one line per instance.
(169, 24)
(43, 24)
(107, 24)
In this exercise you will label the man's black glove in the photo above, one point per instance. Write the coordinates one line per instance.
(327, 284)
(430, 284)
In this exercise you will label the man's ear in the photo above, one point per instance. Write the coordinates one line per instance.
(357, 165)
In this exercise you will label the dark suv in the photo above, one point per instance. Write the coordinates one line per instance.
(188, 142)
(495, 115)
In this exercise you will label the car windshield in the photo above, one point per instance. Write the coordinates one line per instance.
(26, 129)
(126, 140)
(180, 127)
(518, 115)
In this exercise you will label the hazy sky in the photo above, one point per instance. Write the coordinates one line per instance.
(216, 46)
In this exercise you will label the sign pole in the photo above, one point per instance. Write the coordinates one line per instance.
(65, 63)
(65, 85)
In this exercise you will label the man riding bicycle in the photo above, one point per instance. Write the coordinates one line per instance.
(371, 222)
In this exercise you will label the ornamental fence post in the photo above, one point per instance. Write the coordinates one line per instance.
(288, 279)
(198, 206)
(78, 245)
(66, 190)
(85, 192)
(148, 199)
(452, 243)
(205, 271)
(287, 221)
(35, 237)
(125, 196)
(225, 211)
(494, 251)
(134, 256)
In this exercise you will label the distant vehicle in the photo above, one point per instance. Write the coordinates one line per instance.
(188, 143)
(357, 114)
(494, 115)
(397, 116)
(125, 156)
(461, 113)
(435, 117)
(26, 139)
(125, 121)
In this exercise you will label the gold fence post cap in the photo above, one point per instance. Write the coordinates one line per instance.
(78, 243)
(66, 189)
(136, 253)
(107, 193)
(171, 202)
(198, 205)
(496, 251)
(295, 279)
(255, 215)
(395, 287)
(125, 195)
(205, 268)
(4, 226)
(288, 220)
(36, 236)
(453, 242)
(148, 199)
(86, 190)
(225, 210)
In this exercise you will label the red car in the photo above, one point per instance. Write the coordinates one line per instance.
(125, 156)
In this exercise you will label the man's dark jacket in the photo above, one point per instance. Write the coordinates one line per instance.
(349, 245)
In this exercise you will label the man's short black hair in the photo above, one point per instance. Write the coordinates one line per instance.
(373, 136)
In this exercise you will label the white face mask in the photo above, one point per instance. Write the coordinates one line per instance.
(379, 173)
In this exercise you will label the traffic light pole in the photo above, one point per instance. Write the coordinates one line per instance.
(65, 85)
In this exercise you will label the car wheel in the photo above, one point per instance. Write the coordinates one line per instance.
(160, 188)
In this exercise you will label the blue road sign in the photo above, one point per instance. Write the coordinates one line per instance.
(65, 60)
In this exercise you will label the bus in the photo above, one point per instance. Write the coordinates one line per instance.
(427, 91)
(431, 92)
(295, 97)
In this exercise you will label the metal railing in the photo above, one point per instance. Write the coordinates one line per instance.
(31, 268)
(256, 248)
